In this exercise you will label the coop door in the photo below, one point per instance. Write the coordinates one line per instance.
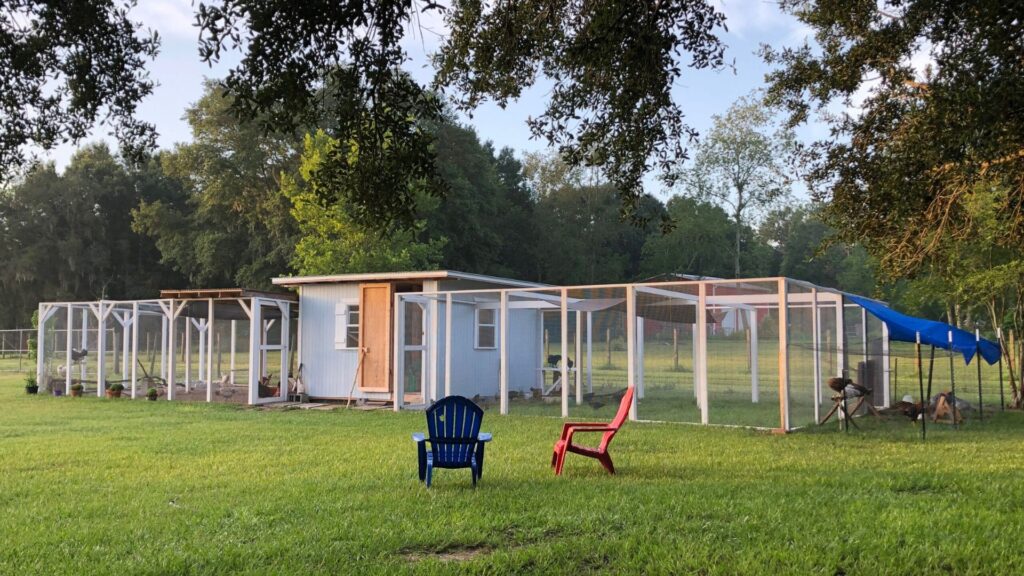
(375, 336)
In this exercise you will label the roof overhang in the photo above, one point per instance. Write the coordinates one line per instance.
(404, 276)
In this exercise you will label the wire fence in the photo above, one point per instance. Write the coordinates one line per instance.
(16, 350)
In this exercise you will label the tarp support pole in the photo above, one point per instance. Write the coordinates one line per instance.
(700, 354)
(977, 360)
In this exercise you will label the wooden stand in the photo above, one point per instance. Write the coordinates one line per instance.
(839, 403)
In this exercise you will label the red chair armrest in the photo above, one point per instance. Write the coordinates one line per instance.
(569, 425)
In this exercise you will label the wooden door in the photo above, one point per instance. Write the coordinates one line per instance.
(375, 338)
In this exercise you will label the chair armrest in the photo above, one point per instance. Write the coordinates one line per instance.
(572, 431)
(484, 437)
(570, 425)
(603, 428)
(418, 438)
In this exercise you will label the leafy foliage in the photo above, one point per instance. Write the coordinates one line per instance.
(330, 242)
(230, 225)
(66, 66)
(69, 236)
(612, 66)
(741, 164)
(310, 60)
(899, 167)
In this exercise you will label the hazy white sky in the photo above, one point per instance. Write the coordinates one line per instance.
(702, 94)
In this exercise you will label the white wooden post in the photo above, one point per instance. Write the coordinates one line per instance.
(783, 355)
(694, 338)
(448, 344)
(209, 350)
(631, 347)
(231, 355)
(286, 327)
(135, 348)
(816, 345)
(432, 345)
(885, 365)
(255, 343)
(40, 345)
(700, 375)
(565, 352)
(85, 344)
(68, 343)
(755, 376)
(163, 345)
(640, 343)
(503, 353)
(840, 339)
(399, 360)
(188, 354)
(578, 353)
(126, 341)
(590, 352)
(101, 310)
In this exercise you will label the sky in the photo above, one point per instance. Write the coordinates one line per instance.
(701, 93)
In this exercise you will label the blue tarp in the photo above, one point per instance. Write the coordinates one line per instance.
(905, 328)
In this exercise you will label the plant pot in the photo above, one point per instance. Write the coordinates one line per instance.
(58, 391)
(76, 393)
(31, 389)
(113, 393)
(151, 398)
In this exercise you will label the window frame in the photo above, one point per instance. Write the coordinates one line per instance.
(343, 326)
(477, 325)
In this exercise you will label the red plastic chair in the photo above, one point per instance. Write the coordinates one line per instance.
(565, 443)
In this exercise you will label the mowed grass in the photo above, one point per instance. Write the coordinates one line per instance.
(97, 486)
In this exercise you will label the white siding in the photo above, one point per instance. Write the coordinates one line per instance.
(327, 372)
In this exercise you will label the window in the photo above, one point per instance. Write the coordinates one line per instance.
(346, 325)
(486, 330)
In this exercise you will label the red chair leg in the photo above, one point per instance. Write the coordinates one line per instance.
(606, 461)
(560, 463)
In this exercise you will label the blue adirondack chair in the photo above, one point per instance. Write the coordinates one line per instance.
(453, 432)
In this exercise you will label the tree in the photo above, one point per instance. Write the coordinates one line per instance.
(582, 238)
(67, 65)
(68, 236)
(487, 214)
(900, 166)
(613, 65)
(806, 248)
(231, 225)
(741, 164)
(330, 242)
(694, 246)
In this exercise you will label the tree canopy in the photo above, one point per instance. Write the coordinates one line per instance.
(909, 144)
(66, 67)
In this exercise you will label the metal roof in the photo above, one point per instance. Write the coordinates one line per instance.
(398, 276)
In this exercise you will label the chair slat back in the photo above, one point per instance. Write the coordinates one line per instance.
(619, 420)
(453, 424)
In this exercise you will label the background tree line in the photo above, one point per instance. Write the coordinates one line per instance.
(238, 205)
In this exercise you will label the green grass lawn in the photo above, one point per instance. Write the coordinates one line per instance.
(96, 486)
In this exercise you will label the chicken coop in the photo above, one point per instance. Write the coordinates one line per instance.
(204, 345)
(734, 352)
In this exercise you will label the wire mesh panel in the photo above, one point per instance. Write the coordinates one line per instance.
(743, 353)
(536, 354)
(803, 355)
(597, 351)
(54, 353)
(666, 388)
(474, 343)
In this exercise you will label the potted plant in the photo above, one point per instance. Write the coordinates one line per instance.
(152, 394)
(76, 389)
(31, 386)
(114, 390)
